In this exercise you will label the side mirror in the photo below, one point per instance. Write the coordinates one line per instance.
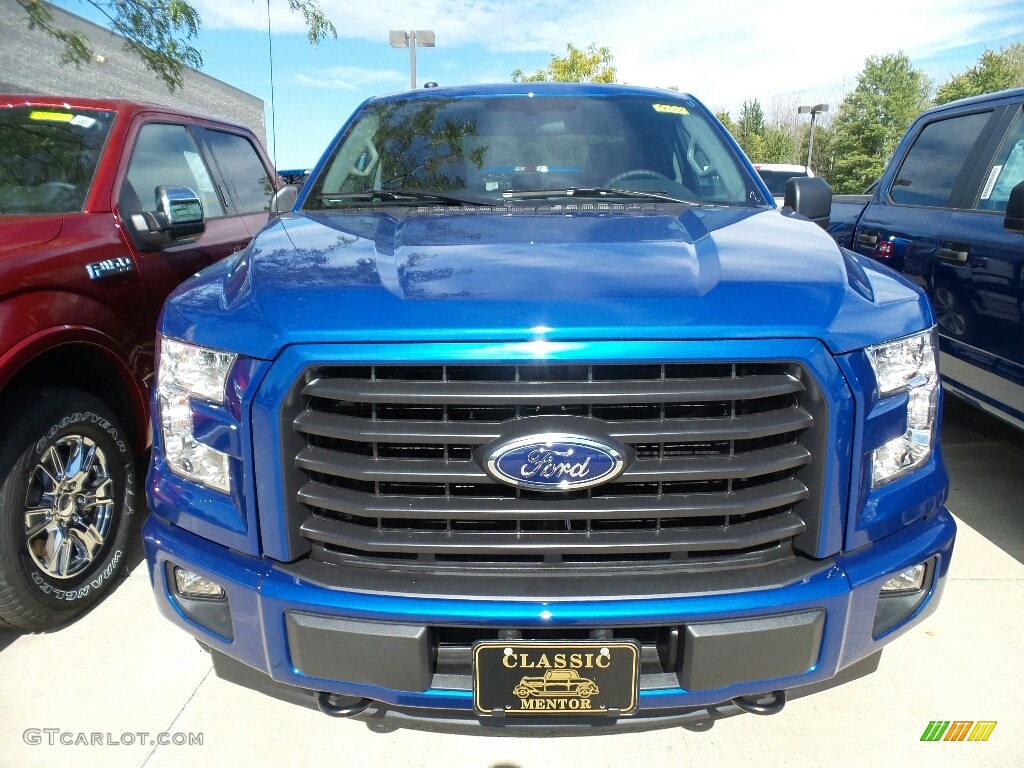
(178, 215)
(182, 211)
(1014, 220)
(284, 199)
(811, 197)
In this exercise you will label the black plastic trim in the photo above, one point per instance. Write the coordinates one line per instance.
(395, 656)
(390, 460)
(688, 469)
(744, 427)
(736, 536)
(679, 505)
(722, 653)
(554, 393)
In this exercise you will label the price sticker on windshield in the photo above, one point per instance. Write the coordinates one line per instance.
(53, 117)
(674, 109)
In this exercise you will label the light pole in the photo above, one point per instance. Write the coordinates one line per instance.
(400, 39)
(815, 111)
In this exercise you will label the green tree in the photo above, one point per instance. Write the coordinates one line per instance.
(593, 65)
(762, 143)
(890, 93)
(750, 129)
(995, 71)
(158, 31)
(726, 119)
(777, 145)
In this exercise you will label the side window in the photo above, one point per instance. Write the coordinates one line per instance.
(935, 160)
(1007, 171)
(247, 180)
(166, 155)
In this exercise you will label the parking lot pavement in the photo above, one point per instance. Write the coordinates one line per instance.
(122, 670)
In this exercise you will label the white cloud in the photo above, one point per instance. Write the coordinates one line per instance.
(352, 78)
(722, 52)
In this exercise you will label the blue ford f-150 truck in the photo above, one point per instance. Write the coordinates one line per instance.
(536, 379)
(948, 212)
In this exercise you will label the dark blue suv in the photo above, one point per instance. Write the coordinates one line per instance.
(940, 215)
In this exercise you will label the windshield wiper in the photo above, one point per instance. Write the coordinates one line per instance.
(399, 195)
(592, 192)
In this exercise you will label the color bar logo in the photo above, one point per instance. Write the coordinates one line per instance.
(958, 730)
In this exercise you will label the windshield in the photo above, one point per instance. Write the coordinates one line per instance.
(494, 148)
(776, 180)
(48, 157)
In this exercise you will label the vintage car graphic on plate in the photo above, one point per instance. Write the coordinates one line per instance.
(556, 682)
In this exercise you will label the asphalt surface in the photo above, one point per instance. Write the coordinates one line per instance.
(122, 671)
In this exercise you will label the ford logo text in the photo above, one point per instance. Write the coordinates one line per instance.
(555, 462)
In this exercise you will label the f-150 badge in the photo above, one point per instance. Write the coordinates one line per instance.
(555, 462)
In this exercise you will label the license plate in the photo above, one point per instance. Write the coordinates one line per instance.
(541, 679)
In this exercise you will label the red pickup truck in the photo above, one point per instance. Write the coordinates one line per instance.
(105, 207)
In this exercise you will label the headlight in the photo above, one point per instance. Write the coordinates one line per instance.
(186, 373)
(906, 365)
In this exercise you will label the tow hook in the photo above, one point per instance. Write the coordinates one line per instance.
(326, 703)
(750, 703)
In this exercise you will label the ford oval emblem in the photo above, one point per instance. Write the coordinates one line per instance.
(555, 462)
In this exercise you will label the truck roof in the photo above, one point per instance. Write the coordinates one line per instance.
(985, 98)
(121, 106)
(513, 89)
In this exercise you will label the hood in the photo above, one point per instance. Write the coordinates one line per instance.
(26, 231)
(499, 275)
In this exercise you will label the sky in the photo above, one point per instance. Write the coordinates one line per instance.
(782, 52)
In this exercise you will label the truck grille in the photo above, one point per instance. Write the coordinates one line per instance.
(721, 465)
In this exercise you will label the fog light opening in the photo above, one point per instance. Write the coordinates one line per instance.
(901, 596)
(191, 584)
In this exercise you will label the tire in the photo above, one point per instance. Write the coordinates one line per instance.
(67, 499)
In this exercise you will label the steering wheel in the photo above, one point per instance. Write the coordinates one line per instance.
(635, 173)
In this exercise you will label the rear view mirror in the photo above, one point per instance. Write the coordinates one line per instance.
(1014, 220)
(810, 197)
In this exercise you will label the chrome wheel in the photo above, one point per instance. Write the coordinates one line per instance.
(67, 497)
(69, 505)
(950, 312)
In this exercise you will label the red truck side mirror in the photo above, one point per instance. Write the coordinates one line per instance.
(179, 215)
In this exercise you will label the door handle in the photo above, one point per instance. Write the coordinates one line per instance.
(869, 239)
(954, 254)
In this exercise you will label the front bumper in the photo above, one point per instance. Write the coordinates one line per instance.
(379, 646)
